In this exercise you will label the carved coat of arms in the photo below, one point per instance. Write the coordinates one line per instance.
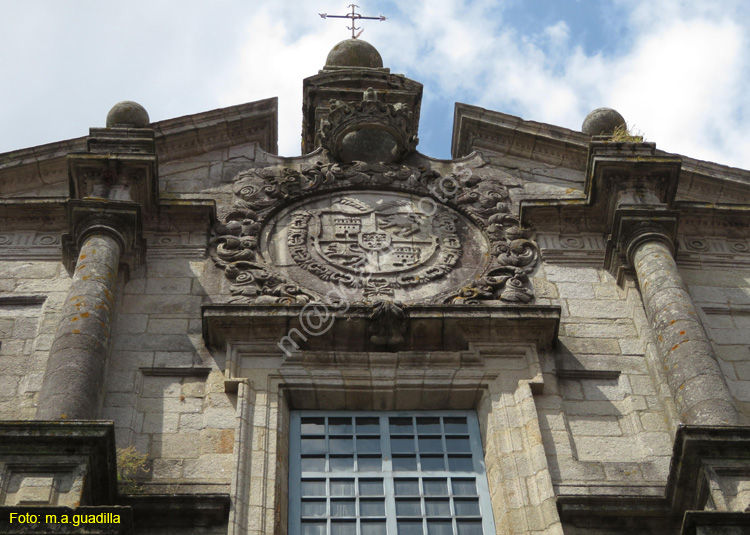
(381, 245)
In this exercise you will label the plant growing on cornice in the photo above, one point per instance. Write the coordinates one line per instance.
(130, 463)
(623, 134)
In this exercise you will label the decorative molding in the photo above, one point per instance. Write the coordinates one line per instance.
(602, 375)
(22, 300)
(30, 245)
(175, 372)
(569, 249)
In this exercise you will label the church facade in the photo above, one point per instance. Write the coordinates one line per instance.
(547, 334)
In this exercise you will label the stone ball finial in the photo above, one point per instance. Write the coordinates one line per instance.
(354, 53)
(602, 121)
(128, 113)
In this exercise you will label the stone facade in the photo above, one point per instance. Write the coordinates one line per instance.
(178, 288)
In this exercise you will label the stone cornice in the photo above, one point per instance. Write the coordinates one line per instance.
(429, 328)
(476, 128)
(696, 449)
(34, 168)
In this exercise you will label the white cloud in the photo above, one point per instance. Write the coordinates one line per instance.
(680, 72)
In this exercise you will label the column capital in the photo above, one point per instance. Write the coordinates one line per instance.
(634, 226)
(118, 219)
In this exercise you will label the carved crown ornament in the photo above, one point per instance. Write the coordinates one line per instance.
(371, 232)
(368, 130)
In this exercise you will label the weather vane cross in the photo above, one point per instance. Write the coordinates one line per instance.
(354, 17)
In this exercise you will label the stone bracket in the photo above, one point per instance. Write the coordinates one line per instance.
(116, 218)
(633, 224)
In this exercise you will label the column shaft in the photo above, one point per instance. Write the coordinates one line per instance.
(693, 373)
(74, 374)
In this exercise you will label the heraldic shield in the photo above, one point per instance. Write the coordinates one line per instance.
(386, 243)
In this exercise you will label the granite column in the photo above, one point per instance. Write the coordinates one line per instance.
(75, 369)
(695, 379)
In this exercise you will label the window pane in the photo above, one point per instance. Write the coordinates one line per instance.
(439, 527)
(368, 425)
(313, 464)
(402, 444)
(314, 487)
(469, 527)
(432, 462)
(409, 527)
(368, 444)
(312, 426)
(460, 463)
(313, 508)
(340, 445)
(341, 464)
(408, 508)
(466, 507)
(369, 464)
(405, 463)
(430, 444)
(458, 444)
(343, 528)
(406, 487)
(371, 508)
(343, 508)
(342, 487)
(455, 425)
(437, 507)
(313, 445)
(339, 426)
(313, 528)
(435, 487)
(401, 425)
(464, 487)
(428, 425)
(373, 528)
(370, 487)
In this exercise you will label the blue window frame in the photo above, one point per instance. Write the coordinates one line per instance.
(387, 473)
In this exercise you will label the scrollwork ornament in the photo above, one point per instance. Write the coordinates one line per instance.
(484, 199)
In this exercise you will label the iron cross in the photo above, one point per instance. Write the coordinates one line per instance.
(353, 16)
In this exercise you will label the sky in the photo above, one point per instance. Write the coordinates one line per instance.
(677, 70)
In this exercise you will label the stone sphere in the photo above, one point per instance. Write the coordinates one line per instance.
(354, 53)
(602, 121)
(128, 113)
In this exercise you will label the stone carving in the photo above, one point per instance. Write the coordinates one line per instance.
(392, 239)
(369, 129)
(402, 242)
(388, 323)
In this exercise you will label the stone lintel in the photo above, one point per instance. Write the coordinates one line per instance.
(428, 328)
(48, 446)
(633, 224)
(119, 219)
(695, 449)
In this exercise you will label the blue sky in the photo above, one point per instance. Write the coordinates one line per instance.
(677, 70)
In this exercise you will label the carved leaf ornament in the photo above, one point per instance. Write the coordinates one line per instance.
(408, 247)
